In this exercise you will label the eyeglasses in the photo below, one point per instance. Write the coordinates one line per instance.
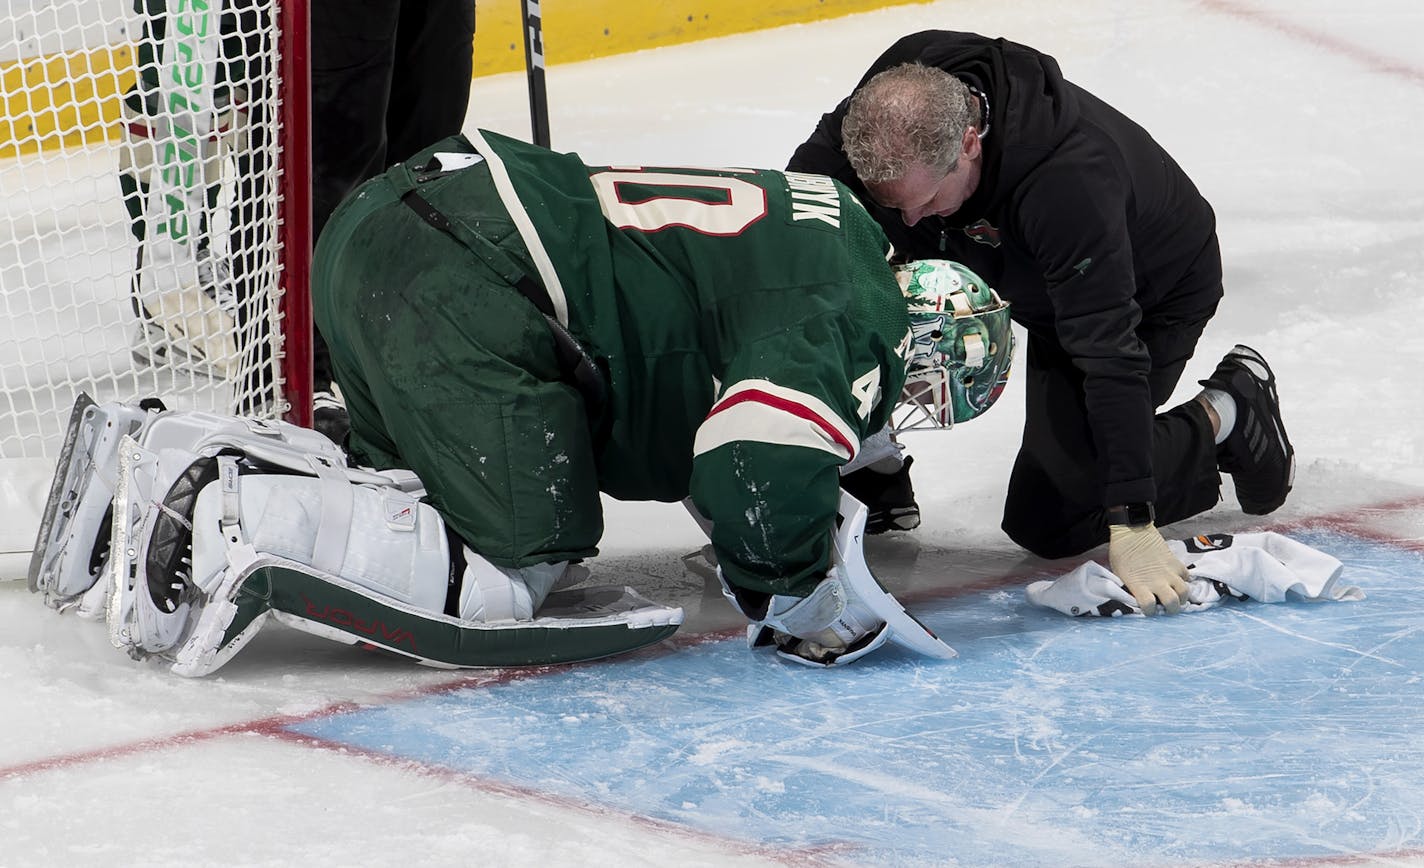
(983, 113)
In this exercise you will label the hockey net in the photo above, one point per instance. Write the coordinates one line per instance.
(154, 216)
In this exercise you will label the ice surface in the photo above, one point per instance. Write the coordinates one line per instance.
(1286, 733)
(1250, 731)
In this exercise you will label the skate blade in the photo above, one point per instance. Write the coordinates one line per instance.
(72, 549)
(158, 349)
(136, 623)
(123, 555)
(192, 333)
(63, 488)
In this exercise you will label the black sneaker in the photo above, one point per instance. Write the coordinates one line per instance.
(889, 498)
(1256, 453)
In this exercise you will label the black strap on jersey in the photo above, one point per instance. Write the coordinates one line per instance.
(578, 366)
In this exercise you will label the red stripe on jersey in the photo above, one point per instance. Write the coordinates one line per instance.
(786, 406)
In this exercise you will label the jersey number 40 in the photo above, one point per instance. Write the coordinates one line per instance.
(653, 200)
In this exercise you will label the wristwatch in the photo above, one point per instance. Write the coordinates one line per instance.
(1132, 514)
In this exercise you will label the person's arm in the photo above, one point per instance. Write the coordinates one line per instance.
(1075, 224)
(794, 406)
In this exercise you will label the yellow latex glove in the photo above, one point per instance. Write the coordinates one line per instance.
(1152, 574)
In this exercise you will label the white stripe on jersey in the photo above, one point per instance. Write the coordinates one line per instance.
(762, 412)
(510, 198)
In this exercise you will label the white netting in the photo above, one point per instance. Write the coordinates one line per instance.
(69, 255)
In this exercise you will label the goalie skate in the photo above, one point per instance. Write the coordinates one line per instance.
(153, 599)
(141, 621)
(72, 546)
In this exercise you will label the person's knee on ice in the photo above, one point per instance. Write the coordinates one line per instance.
(1051, 528)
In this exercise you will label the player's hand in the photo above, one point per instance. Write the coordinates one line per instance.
(1151, 573)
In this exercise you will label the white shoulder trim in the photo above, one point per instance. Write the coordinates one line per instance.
(763, 412)
(505, 187)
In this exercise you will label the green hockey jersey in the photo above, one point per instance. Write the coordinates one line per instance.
(749, 329)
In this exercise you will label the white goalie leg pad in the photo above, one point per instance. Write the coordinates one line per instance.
(378, 542)
(151, 593)
(141, 133)
(266, 440)
(186, 290)
(380, 539)
(152, 586)
(269, 443)
(176, 599)
(71, 549)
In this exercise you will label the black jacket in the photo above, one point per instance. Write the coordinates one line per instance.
(1080, 220)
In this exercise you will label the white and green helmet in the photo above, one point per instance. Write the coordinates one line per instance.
(960, 345)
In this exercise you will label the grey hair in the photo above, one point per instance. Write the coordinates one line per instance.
(905, 115)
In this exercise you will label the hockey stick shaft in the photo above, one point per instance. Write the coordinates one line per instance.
(534, 71)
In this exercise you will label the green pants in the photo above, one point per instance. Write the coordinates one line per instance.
(447, 370)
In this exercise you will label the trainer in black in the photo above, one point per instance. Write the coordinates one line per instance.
(1256, 453)
(889, 498)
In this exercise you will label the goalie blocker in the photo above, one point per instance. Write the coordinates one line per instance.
(219, 524)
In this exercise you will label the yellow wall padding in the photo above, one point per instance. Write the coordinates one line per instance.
(584, 29)
(63, 100)
(69, 99)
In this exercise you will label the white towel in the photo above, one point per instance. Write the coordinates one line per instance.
(1266, 567)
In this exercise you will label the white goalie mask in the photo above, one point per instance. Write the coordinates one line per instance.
(961, 345)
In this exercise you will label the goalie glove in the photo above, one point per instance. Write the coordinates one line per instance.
(846, 616)
(829, 626)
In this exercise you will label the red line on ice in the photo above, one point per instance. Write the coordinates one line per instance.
(1375, 60)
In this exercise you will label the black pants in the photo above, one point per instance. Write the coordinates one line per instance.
(1054, 507)
(389, 77)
